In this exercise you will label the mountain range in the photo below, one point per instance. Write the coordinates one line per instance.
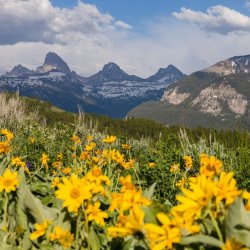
(217, 96)
(111, 91)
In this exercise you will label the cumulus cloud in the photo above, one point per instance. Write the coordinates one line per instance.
(165, 41)
(39, 21)
(219, 19)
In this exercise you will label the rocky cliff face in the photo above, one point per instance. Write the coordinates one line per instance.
(214, 98)
(53, 62)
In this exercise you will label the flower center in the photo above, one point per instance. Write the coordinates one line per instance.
(8, 182)
(96, 172)
(74, 193)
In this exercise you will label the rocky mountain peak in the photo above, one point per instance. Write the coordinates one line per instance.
(233, 65)
(111, 67)
(19, 70)
(168, 74)
(54, 62)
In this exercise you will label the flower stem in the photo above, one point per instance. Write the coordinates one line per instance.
(216, 226)
(5, 211)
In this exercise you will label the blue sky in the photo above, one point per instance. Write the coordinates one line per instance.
(139, 35)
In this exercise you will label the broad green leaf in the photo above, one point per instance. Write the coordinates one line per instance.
(128, 244)
(237, 222)
(148, 193)
(93, 240)
(200, 238)
(33, 205)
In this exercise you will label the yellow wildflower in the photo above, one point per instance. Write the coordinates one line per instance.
(9, 181)
(45, 159)
(210, 165)
(128, 164)
(109, 139)
(90, 146)
(73, 193)
(126, 146)
(226, 189)
(127, 183)
(233, 245)
(162, 237)
(55, 182)
(96, 214)
(76, 139)
(185, 224)
(8, 134)
(95, 175)
(57, 164)
(32, 140)
(127, 200)
(40, 230)
(4, 147)
(17, 161)
(64, 237)
(197, 197)
(175, 168)
(181, 183)
(151, 164)
(59, 156)
(84, 155)
(246, 195)
(89, 138)
(133, 224)
(188, 162)
(66, 170)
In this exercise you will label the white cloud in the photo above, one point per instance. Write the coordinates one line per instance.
(219, 19)
(123, 25)
(167, 41)
(39, 21)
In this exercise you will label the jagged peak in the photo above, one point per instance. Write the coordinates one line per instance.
(111, 66)
(53, 62)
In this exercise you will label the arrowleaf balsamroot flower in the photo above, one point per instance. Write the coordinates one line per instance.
(109, 139)
(232, 244)
(17, 161)
(4, 147)
(197, 197)
(73, 191)
(175, 168)
(9, 181)
(188, 162)
(96, 214)
(63, 237)
(226, 189)
(210, 165)
(129, 225)
(40, 230)
(162, 237)
(8, 134)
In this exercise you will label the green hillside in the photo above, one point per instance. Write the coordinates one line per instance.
(190, 115)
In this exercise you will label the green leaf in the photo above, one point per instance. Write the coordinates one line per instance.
(93, 240)
(200, 238)
(33, 205)
(4, 246)
(237, 223)
(148, 193)
(128, 244)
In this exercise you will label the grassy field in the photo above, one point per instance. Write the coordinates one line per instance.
(70, 182)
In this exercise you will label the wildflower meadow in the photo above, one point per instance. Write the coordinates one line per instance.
(75, 188)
